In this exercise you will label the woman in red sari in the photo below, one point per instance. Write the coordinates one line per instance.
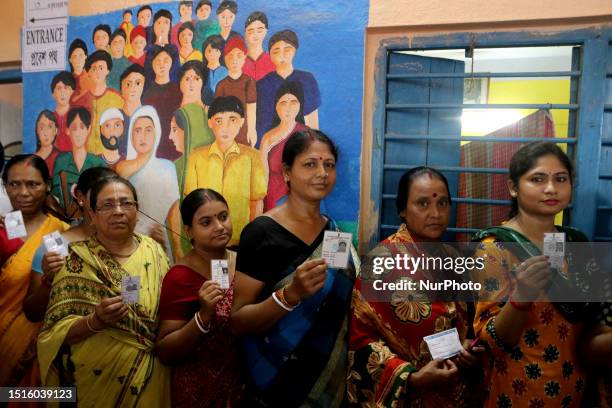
(288, 118)
(390, 364)
(194, 335)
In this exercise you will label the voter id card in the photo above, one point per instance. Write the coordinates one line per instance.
(130, 289)
(14, 225)
(54, 242)
(554, 248)
(220, 272)
(337, 248)
(444, 344)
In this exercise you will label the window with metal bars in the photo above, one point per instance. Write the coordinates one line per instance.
(464, 103)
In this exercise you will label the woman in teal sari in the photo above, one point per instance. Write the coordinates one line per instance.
(292, 306)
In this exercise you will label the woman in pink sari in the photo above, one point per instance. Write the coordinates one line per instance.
(288, 118)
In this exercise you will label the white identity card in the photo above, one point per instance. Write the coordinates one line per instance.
(130, 289)
(15, 227)
(337, 248)
(220, 272)
(554, 248)
(54, 242)
(444, 344)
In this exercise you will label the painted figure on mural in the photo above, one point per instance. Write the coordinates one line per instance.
(63, 86)
(185, 39)
(213, 51)
(138, 42)
(241, 86)
(288, 118)
(132, 87)
(69, 165)
(162, 22)
(205, 25)
(283, 46)
(120, 62)
(127, 27)
(101, 37)
(46, 134)
(113, 137)
(99, 97)
(142, 166)
(185, 10)
(258, 63)
(143, 16)
(164, 95)
(230, 168)
(226, 15)
(192, 114)
(77, 55)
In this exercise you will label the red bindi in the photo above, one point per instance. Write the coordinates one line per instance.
(435, 195)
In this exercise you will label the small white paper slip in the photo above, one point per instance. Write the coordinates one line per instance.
(54, 242)
(337, 248)
(220, 272)
(554, 248)
(130, 289)
(444, 344)
(15, 227)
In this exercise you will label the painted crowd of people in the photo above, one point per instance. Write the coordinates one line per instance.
(190, 104)
(175, 145)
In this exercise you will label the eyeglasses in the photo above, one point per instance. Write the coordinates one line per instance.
(111, 205)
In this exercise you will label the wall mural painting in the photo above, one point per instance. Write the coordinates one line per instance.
(181, 95)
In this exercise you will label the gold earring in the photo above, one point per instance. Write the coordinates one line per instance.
(513, 194)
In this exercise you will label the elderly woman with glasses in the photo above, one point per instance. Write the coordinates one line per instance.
(99, 330)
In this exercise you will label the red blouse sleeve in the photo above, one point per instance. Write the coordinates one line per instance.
(8, 246)
(179, 295)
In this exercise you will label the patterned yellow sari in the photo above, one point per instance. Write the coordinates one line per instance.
(116, 367)
(17, 333)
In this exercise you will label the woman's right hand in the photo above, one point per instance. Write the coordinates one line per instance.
(308, 279)
(210, 294)
(110, 311)
(532, 275)
(437, 373)
(52, 262)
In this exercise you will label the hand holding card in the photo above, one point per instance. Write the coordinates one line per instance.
(219, 271)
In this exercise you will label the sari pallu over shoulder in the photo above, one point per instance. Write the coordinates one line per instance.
(115, 367)
(301, 361)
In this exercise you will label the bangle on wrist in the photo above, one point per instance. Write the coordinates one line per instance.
(88, 323)
(279, 302)
(204, 328)
(282, 298)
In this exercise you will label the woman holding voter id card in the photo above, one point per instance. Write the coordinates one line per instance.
(27, 182)
(196, 300)
(393, 362)
(292, 290)
(51, 253)
(533, 338)
(99, 331)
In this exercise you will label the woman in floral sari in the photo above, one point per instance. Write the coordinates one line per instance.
(93, 339)
(292, 305)
(533, 339)
(390, 364)
(27, 182)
